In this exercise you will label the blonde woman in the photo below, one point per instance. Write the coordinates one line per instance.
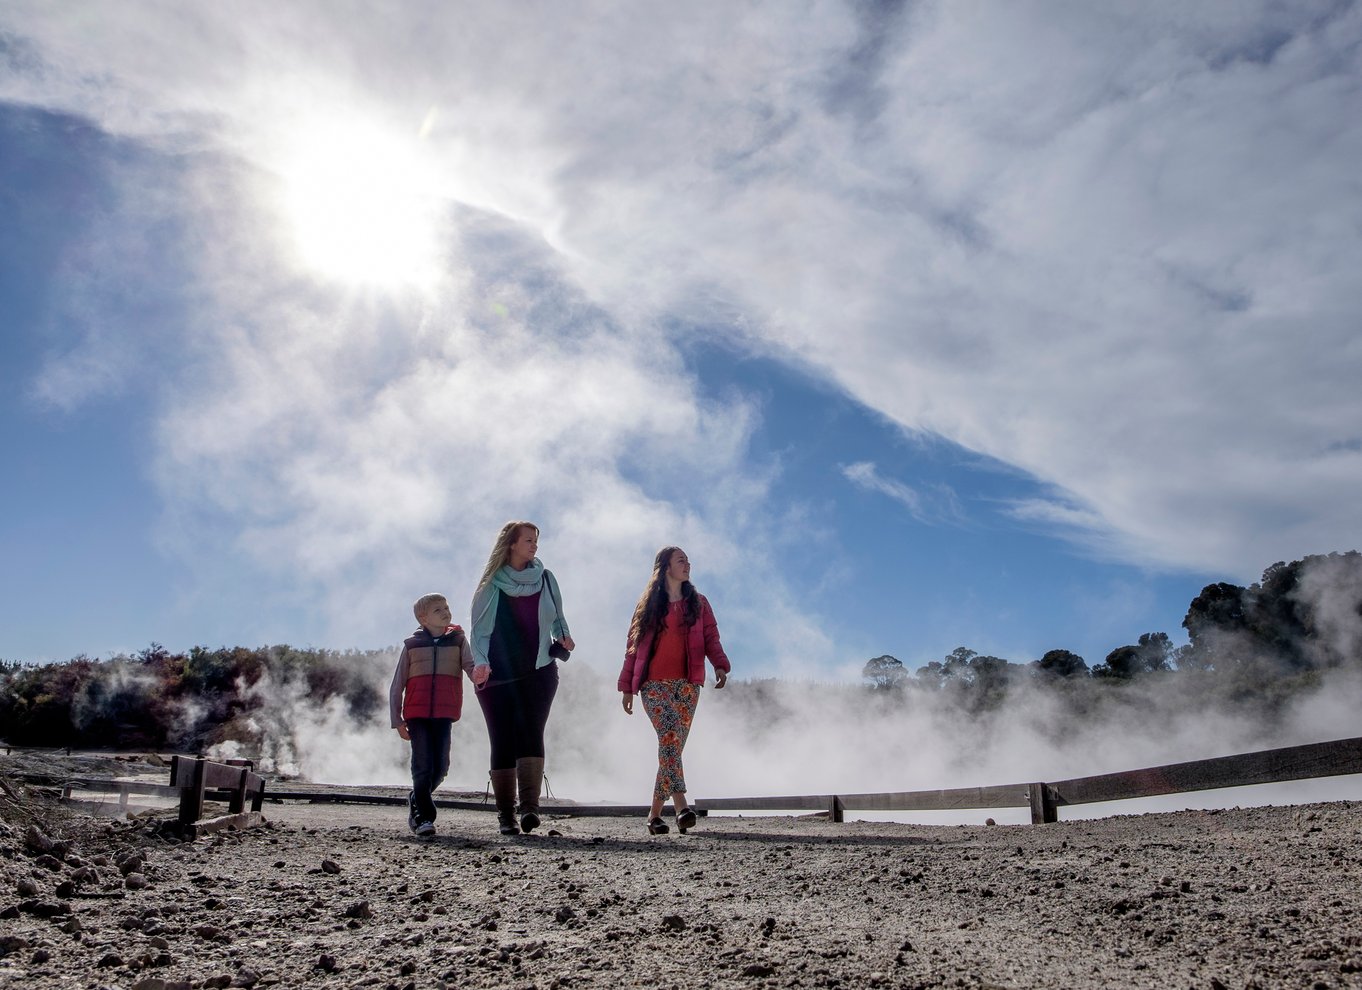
(672, 632)
(518, 631)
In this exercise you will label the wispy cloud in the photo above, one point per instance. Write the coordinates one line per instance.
(1115, 249)
(934, 504)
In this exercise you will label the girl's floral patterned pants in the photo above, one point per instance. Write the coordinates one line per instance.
(671, 708)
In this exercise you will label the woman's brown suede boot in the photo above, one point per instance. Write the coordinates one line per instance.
(503, 789)
(530, 772)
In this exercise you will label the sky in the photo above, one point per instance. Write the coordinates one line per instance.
(917, 325)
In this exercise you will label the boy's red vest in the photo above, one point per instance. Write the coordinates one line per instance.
(434, 676)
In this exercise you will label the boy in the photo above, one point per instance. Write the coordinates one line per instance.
(425, 701)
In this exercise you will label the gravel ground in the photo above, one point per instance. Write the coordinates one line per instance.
(343, 896)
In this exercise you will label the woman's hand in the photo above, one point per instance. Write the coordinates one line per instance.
(402, 731)
(628, 700)
(568, 642)
(720, 678)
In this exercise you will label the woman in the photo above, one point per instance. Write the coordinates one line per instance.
(672, 632)
(517, 621)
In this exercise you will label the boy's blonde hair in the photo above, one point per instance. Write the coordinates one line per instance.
(423, 604)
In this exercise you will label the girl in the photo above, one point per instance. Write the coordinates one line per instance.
(672, 632)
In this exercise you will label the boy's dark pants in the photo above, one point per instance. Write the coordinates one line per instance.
(429, 761)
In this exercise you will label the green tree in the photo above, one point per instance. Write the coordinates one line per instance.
(1062, 663)
(884, 673)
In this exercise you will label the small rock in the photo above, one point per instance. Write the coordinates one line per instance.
(326, 963)
(44, 909)
(674, 923)
(65, 889)
(219, 982)
(245, 978)
(135, 881)
(40, 956)
(12, 943)
(129, 863)
(758, 969)
(564, 914)
(48, 862)
(150, 983)
(85, 874)
(110, 960)
(989, 821)
(330, 866)
(360, 909)
(37, 840)
(72, 926)
(25, 887)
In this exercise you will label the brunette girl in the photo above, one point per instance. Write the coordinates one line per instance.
(672, 632)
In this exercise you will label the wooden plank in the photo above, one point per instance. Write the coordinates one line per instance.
(1327, 759)
(109, 786)
(1001, 796)
(218, 775)
(804, 802)
(246, 819)
(835, 810)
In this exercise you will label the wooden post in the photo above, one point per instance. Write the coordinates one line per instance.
(236, 804)
(835, 809)
(1043, 809)
(258, 797)
(191, 796)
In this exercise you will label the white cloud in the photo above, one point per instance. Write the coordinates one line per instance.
(1116, 249)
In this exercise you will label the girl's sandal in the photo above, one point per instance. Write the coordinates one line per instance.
(656, 826)
(685, 820)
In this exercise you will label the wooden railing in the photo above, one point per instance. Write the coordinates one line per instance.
(194, 780)
(1327, 759)
(235, 782)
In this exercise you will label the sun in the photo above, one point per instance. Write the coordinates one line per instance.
(360, 206)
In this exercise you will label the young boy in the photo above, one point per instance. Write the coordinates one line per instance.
(425, 700)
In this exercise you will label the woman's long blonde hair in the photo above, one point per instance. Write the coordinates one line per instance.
(501, 550)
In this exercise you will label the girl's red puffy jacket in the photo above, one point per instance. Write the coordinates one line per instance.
(702, 640)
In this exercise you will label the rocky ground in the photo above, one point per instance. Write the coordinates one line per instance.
(343, 896)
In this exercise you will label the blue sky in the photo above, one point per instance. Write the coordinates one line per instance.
(919, 326)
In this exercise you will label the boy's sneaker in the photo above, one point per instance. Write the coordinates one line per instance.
(413, 819)
(425, 828)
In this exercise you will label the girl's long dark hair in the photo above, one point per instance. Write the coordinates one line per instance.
(650, 614)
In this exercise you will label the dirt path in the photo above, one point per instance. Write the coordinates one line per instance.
(342, 896)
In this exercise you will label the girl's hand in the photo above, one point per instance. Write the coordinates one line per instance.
(628, 700)
(720, 678)
(402, 731)
(568, 642)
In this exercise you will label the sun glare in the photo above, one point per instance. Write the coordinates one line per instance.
(361, 207)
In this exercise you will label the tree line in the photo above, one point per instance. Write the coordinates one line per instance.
(189, 702)
(1271, 639)
(1257, 646)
